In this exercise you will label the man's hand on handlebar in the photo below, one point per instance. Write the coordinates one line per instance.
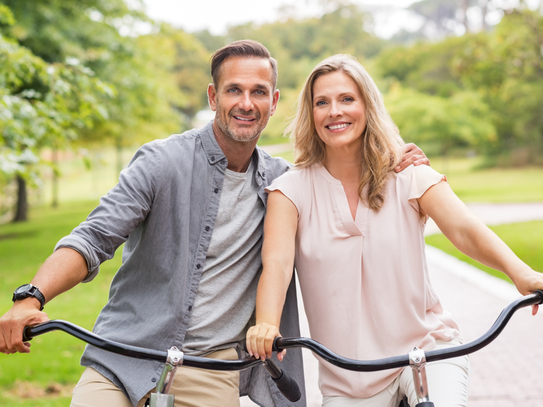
(260, 341)
(24, 312)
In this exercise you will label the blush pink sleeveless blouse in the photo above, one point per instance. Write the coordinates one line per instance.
(364, 282)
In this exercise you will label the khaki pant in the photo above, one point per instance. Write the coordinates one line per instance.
(448, 382)
(192, 387)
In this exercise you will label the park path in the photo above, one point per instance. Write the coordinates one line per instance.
(506, 373)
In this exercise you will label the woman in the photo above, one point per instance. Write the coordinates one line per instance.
(353, 228)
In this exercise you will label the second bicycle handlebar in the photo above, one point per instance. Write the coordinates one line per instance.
(403, 360)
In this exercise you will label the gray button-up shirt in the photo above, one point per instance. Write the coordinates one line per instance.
(164, 208)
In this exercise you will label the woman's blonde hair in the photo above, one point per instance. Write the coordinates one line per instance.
(381, 150)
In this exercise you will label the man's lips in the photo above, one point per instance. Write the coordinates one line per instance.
(244, 118)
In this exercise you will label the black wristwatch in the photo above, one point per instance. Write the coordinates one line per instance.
(29, 290)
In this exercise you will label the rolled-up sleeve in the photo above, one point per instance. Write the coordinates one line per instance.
(118, 214)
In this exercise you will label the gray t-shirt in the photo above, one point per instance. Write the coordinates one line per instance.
(225, 300)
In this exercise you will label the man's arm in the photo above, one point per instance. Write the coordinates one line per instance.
(63, 270)
(412, 155)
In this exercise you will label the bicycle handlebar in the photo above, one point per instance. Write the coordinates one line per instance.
(403, 360)
(284, 383)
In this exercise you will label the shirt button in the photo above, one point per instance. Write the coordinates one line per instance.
(212, 158)
(153, 380)
(263, 174)
(207, 228)
(216, 190)
(190, 307)
(198, 266)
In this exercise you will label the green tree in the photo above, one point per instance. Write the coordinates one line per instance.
(41, 105)
(463, 120)
(102, 35)
(506, 66)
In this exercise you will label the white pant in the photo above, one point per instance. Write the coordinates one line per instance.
(448, 383)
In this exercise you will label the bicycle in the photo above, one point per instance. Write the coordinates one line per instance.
(172, 358)
(417, 358)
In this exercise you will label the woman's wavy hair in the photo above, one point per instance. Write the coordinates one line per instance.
(381, 146)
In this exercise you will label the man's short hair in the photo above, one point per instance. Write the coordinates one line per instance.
(242, 48)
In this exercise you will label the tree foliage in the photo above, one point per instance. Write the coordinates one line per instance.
(501, 70)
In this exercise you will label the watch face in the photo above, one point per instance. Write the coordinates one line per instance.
(23, 289)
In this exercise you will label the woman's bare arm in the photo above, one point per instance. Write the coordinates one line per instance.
(473, 238)
(280, 228)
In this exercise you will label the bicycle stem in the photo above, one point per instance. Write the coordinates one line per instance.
(417, 361)
(161, 398)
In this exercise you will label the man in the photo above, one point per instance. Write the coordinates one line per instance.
(190, 209)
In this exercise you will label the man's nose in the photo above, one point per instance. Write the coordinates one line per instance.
(246, 102)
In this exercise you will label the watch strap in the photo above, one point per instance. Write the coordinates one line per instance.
(32, 291)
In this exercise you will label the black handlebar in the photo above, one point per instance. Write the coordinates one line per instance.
(284, 383)
(403, 360)
(288, 387)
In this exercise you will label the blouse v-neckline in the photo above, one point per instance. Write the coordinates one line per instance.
(354, 226)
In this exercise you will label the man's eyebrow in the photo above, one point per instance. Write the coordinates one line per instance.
(239, 85)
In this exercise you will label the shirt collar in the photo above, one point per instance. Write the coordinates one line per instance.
(211, 147)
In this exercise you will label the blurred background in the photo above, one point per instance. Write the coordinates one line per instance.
(83, 83)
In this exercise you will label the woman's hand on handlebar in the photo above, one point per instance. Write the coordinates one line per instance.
(24, 312)
(527, 282)
(260, 341)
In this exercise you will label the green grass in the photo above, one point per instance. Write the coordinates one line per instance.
(492, 185)
(55, 356)
(525, 239)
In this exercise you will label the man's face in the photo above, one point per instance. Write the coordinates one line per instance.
(244, 99)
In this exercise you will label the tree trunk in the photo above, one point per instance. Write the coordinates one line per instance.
(484, 11)
(21, 215)
(119, 158)
(465, 6)
(54, 203)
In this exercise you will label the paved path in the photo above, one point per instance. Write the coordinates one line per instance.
(507, 372)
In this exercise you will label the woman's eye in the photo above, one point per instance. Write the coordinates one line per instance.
(320, 103)
(348, 99)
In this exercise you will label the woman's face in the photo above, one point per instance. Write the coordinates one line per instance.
(338, 110)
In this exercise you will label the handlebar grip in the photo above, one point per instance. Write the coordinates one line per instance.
(277, 344)
(288, 387)
(27, 334)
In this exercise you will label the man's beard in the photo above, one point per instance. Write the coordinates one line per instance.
(225, 127)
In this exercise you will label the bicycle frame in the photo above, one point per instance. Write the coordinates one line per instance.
(417, 358)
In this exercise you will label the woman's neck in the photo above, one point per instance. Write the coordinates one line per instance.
(343, 166)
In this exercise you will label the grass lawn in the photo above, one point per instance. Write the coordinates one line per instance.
(492, 185)
(525, 239)
(52, 368)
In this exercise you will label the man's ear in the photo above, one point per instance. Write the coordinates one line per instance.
(275, 100)
(211, 96)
